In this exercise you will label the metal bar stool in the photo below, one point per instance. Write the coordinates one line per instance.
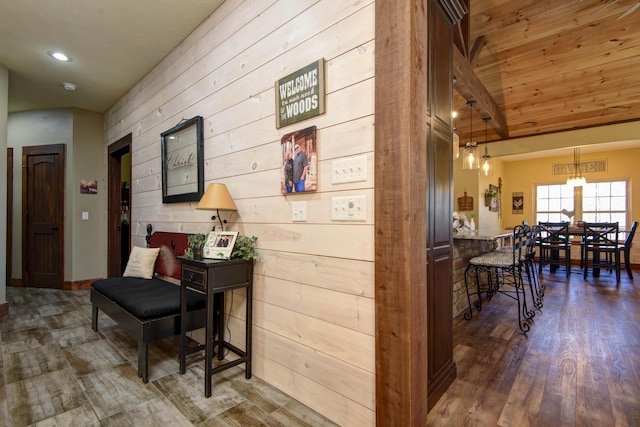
(500, 272)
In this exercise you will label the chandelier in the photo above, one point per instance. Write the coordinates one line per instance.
(486, 164)
(576, 179)
(470, 157)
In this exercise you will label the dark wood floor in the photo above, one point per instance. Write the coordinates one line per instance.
(578, 366)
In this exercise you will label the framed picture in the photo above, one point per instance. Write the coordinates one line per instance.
(219, 244)
(517, 203)
(88, 186)
(183, 162)
(494, 203)
(299, 161)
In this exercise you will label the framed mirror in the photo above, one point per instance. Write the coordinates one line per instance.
(183, 162)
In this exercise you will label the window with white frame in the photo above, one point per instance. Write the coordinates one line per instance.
(554, 203)
(604, 201)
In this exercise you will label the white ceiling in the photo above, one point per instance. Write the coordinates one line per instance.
(113, 45)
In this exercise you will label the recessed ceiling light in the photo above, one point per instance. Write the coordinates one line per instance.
(59, 56)
(69, 86)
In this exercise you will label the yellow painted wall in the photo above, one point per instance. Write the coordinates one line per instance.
(524, 175)
(474, 185)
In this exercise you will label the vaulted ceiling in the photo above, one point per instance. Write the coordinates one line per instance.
(549, 66)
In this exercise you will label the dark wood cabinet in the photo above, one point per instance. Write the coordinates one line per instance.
(441, 369)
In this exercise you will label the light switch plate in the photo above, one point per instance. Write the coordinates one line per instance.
(298, 211)
(350, 169)
(349, 208)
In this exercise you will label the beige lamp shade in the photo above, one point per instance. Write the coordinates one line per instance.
(217, 197)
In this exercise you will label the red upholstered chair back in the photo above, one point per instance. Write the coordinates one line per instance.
(171, 246)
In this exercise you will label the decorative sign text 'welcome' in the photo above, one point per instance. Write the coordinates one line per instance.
(300, 95)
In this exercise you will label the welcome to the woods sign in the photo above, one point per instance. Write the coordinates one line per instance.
(300, 95)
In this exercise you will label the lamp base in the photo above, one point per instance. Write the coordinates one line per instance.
(222, 221)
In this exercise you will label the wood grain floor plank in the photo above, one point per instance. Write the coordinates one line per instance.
(525, 397)
(593, 402)
(579, 365)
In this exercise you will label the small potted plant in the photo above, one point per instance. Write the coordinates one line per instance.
(490, 193)
(245, 248)
(196, 243)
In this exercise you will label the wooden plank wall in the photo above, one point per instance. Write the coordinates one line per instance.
(313, 309)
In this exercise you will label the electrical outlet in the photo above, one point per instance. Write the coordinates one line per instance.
(351, 169)
(298, 211)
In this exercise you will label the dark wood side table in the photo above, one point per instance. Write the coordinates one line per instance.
(212, 278)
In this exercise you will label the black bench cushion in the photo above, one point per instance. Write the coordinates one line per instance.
(147, 298)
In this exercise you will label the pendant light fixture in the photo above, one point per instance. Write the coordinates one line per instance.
(470, 156)
(576, 179)
(486, 164)
(456, 138)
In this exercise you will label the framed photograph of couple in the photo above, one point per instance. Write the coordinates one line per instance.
(299, 153)
(219, 244)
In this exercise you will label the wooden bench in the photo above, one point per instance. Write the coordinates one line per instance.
(149, 309)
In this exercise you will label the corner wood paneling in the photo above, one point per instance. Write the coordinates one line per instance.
(413, 288)
(441, 369)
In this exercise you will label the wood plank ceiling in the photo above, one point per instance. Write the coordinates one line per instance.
(550, 66)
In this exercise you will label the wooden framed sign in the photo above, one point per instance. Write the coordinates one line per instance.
(183, 162)
(301, 94)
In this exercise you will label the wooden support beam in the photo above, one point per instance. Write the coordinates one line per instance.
(400, 268)
(471, 88)
(475, 50)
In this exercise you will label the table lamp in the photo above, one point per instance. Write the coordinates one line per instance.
(217, 198)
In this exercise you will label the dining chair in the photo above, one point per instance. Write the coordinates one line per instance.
(554, 239)
(601, 248)
(625, 248)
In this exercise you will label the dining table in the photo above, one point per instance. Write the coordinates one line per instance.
(577, 230)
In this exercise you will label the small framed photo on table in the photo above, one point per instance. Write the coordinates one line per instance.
(219, 244)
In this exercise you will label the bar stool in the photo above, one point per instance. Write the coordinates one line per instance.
(500, 272)
(537, 288)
